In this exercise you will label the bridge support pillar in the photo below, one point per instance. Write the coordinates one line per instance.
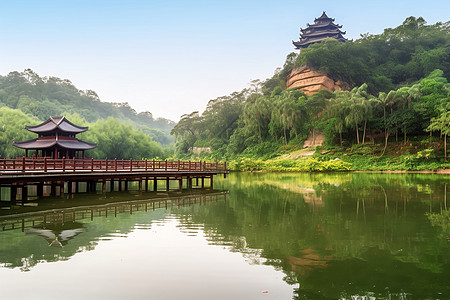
(61, 189)
(13, 193)
(53, 187)
(167, 184)
(24, 193)
(40, 189)
(189, 183)
(155, 184)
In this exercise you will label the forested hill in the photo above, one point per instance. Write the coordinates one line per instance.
(399, 56)
(43, 97)
(398, 93)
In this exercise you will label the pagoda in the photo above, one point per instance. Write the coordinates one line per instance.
(322, 28)
(56, 139)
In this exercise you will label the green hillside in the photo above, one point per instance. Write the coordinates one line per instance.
(43, 97)
(396, 110)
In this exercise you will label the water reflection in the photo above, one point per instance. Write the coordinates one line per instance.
(348, 234)
(30, 237)
(57, 235)
(333, 236)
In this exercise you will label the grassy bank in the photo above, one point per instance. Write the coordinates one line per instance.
(367, 157)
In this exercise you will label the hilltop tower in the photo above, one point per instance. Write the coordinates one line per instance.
(304, 78)
(322, 28)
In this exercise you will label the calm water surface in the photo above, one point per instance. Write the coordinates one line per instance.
(271, 236)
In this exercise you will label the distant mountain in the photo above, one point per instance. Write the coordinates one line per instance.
(51, 96)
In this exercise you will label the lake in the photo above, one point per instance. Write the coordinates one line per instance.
(257, 236)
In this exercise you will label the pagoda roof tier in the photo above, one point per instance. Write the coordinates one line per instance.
(55, 124)
(319, 26)
(327, 32)
(322, 28)
(323, 18)
(49, 142)
(305, 43)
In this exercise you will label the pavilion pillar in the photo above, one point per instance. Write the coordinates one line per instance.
(26, 152)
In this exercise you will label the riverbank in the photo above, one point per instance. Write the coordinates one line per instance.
(364, 158)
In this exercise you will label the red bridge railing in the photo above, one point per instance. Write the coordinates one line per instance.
(107, 165)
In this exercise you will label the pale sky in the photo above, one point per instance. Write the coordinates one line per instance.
(172, 57)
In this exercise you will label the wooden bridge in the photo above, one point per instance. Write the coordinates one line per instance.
(62, 173)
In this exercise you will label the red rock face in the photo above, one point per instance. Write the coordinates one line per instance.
(310, 81)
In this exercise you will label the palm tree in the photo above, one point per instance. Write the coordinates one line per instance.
(442, 124)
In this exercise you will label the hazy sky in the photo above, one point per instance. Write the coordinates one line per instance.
(171, 57)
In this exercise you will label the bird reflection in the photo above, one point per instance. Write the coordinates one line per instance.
(57, 235)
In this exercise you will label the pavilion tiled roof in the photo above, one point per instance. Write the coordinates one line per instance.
(63, 142)
(55, 124)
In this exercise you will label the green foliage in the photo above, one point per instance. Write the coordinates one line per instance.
(290, 165)
(119, 140)
(43, 97)
(12, 128)
(248, 164)
(114, 138)
(392, 100)
(399, 55)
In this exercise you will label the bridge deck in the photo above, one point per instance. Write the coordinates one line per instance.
(39, 169)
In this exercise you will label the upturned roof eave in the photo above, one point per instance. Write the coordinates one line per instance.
(48, 143)
(323, 32)
(56, 125)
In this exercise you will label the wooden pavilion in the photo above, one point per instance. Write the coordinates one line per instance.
(56, 140)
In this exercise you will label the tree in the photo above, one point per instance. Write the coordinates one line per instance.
(442, 124)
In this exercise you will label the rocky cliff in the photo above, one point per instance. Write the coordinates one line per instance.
(310, 81)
